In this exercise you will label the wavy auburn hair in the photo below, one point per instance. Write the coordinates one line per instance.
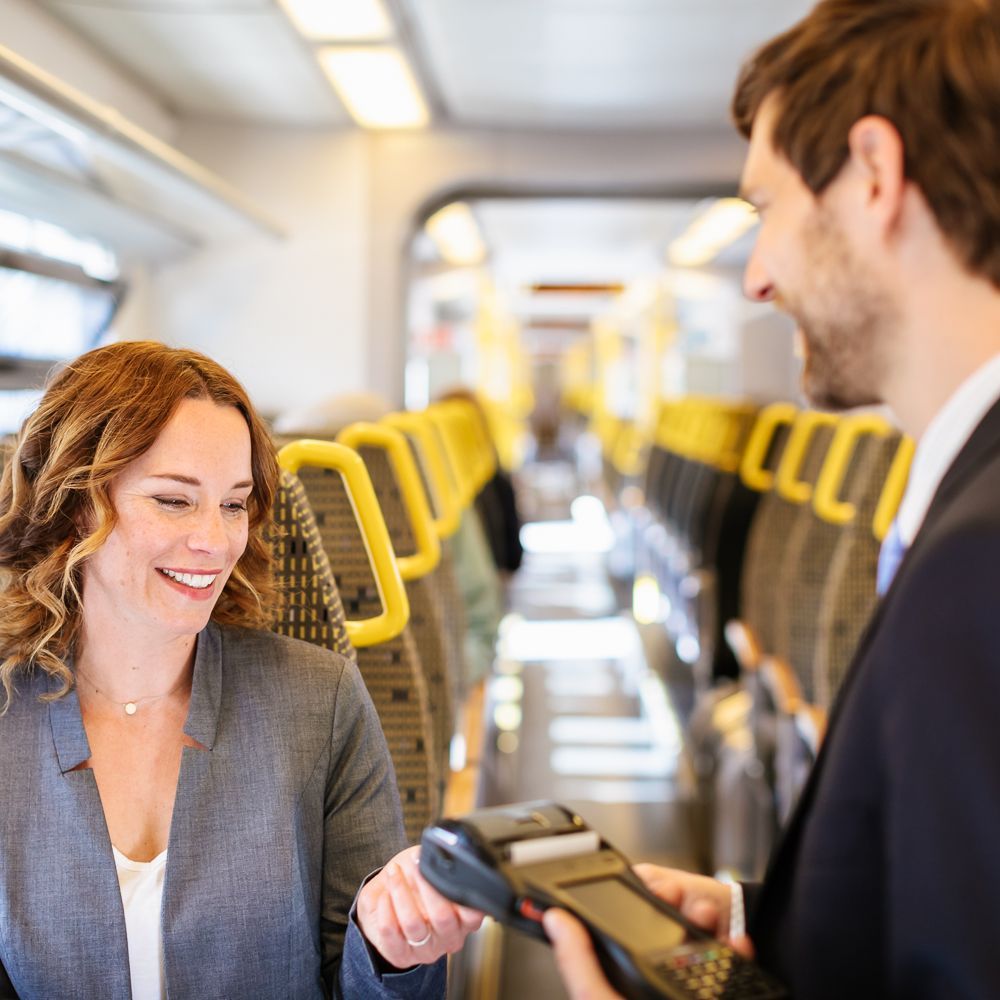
(931, 67)
(99, 414)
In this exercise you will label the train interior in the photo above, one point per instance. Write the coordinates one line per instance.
(546, 472)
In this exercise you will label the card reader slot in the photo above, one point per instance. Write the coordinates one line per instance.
(566, 845)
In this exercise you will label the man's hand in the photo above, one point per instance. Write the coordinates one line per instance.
(703, 900)
(407, 920)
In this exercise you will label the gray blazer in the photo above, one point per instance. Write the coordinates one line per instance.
(274, 827)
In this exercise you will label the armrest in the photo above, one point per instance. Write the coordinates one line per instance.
(782, 684)
(811, 721)
(743, 642)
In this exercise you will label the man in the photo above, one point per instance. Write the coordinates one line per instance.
(874, 161)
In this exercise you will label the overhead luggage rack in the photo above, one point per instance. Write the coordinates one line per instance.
(118, 167)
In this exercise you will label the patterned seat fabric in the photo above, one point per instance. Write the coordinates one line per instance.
(769, 538)
(805, 567)
(848, 598)
(392, 671)
(426, 607)
(310, 606)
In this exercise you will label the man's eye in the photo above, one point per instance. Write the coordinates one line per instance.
(172, 503)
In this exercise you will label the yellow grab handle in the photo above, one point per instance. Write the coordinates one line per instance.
(752, 471)
(484, 440)
(418, 427)
(395, 604)
(393, 442)
(831, 477)
(786, 480)
(460, 471)
(465, 425)
(892, 490)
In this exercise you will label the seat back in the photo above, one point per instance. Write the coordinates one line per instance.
(426, 624)
(391, 670)
(849, 598)
(310, 607)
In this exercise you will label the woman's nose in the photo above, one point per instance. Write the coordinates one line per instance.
(209, 534)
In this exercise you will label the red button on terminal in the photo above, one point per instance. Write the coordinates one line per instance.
(528, 909)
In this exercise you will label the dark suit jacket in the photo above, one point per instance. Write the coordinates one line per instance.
(887, 881)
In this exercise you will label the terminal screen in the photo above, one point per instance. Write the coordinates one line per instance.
(633, 920)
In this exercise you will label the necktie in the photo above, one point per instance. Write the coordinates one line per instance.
(889, 558)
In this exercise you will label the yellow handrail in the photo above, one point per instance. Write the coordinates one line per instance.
(892, 491)
(418, 427)
(460, 471)
(752, 471)
(428, 548)
(831, 477)
(395, 604)
(786, 480)
(481, 432)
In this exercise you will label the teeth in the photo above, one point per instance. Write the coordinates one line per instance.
(197, 580)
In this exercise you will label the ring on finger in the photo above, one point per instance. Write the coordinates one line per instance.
(422, 941)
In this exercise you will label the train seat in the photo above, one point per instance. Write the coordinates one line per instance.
(391, 670)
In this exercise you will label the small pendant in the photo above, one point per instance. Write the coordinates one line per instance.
(130, 708)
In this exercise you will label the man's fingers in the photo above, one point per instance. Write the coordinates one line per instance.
(661, 882)
(578, 966)
(703, 912)
(743, 946)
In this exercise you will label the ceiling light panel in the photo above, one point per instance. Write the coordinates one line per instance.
(376, 85)
(724, 222)
(340, 20)
(455, 233)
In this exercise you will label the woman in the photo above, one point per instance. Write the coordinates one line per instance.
(189, 802)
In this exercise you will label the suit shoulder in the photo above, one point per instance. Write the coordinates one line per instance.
(272, 661)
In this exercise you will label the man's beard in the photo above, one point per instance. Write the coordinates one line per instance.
(846, 319)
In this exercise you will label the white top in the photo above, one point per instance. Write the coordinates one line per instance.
(141, 884)
(944, 438)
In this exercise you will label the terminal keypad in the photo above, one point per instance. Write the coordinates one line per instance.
(715, 974)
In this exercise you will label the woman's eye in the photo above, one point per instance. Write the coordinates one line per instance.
(235, 507)
(172, 503)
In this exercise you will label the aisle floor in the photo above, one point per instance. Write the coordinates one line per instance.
(577, 714)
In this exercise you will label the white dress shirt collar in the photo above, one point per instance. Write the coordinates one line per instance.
(944, 438)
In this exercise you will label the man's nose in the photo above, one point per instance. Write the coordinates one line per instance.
(757, 283)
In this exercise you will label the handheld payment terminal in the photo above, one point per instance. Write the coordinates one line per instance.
(513, 862)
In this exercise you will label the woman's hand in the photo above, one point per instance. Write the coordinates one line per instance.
(408, 921)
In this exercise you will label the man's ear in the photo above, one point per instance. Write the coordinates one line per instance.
(877, 158)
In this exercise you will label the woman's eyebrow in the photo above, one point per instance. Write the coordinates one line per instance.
(177, 477)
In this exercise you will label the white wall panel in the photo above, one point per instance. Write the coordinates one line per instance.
(288, 316)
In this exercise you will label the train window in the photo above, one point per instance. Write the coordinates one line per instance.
(45, 316)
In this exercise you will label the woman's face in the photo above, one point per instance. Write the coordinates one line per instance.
(182, 526)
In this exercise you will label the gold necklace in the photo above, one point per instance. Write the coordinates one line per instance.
(131, 707)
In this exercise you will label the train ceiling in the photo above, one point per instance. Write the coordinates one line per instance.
(566, 64)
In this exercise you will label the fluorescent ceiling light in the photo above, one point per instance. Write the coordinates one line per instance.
(722, 224)
(456, 235)
(376, 85)
(340, 20)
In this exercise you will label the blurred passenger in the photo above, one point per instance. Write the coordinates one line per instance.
(190, 802)
(874, 161)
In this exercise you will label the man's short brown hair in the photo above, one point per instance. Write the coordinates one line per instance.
(931, 67)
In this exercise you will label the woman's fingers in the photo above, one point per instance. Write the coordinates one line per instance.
(407, 920)
(414, 922)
